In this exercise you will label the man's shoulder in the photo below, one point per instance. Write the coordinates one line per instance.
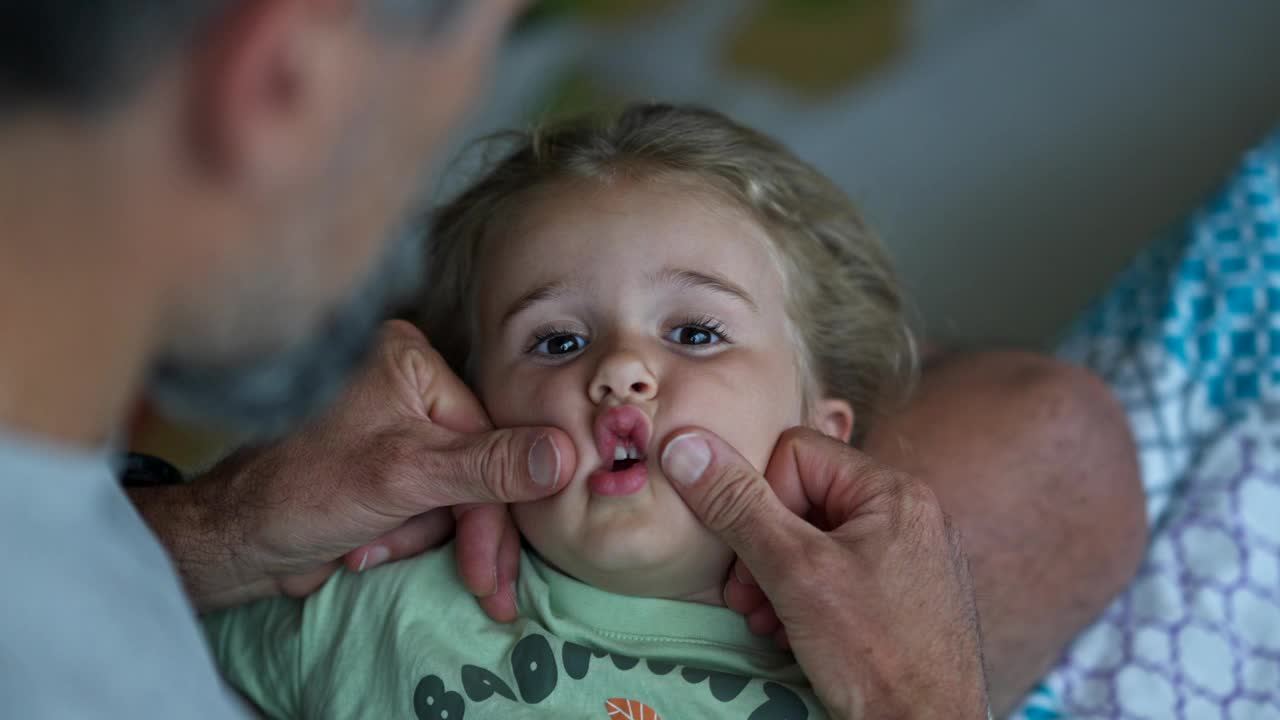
(95, 623)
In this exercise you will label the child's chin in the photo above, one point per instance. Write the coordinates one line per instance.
(625, 552)
(665, 569)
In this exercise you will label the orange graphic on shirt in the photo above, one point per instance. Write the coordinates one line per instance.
(620, 709)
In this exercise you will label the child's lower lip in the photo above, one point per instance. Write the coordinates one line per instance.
(619, 483)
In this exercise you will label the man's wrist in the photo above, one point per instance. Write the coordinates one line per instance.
(203, 533)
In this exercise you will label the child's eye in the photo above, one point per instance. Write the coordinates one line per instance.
(699, 332)
(693, 335)
(558, 343)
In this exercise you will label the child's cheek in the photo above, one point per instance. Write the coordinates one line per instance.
(766, 402)
(531, 520)
(537, 396)
(555, 396)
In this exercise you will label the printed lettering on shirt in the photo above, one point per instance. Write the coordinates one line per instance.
(537, 675)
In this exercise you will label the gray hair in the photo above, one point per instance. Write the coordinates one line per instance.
(86, 55)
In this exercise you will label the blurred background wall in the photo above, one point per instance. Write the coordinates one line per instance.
(1013, 153)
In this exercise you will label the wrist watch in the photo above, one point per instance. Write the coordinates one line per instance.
(140, 470)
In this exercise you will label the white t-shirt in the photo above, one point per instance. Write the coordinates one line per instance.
(93, 619)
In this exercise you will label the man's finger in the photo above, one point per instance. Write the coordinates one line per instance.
(502, 606)
(500, 466)
(764, 621)
(480, 531)
(300, 586)
(416, 535)
(780, 637)
(743, 599)
(488, 557)
(734, 501)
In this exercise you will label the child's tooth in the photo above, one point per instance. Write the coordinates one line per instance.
(619, 453)
(632, 453)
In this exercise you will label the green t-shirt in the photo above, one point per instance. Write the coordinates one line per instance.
(407, 640)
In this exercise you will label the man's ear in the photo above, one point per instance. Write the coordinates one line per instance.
(268, 87)
(834, 418)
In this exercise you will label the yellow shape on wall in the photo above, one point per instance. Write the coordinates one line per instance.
(818, 47)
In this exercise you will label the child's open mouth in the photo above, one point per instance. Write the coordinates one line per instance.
(622, 435)
(625, 455)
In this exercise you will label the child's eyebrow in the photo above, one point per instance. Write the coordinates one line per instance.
(677, 277)
(549, 291)
(685, 278)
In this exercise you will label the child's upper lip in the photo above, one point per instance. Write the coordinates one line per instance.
(621, 424)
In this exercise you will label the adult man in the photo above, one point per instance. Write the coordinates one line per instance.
(194, 193)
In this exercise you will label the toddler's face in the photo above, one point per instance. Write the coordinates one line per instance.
(621, 314)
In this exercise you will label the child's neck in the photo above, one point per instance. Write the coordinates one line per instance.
(710, 595)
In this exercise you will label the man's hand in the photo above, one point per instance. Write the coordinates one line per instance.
(859, 563)
(378, 478)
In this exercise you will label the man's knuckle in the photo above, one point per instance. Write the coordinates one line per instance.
(493, 463)
(434, 364)
(923, 503)
(427, 368)
(913, 494)
(478, 462)
(909, 504)
(790, 438)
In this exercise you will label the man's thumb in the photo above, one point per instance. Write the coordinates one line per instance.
(503, 466)
(730, 497)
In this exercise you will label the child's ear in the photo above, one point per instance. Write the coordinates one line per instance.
(835, 418)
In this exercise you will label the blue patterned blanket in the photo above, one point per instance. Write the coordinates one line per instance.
(1189, 339)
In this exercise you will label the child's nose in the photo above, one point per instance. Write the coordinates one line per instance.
(624, 376)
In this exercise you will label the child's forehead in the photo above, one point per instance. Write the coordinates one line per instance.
(634, 233)
(586, 219)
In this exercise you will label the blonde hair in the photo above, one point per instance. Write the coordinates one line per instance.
(844, 301)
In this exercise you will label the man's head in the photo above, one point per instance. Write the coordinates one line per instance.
(259, 154)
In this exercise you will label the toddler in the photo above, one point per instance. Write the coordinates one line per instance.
(618, 279)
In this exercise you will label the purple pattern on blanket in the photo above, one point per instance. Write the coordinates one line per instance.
(1199, 634)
